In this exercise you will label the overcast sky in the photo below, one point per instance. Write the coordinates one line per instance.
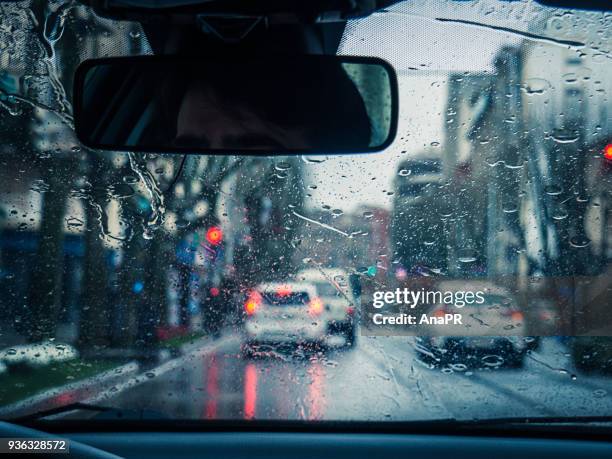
(406, 41)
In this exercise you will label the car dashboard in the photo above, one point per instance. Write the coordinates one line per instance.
(251, 445)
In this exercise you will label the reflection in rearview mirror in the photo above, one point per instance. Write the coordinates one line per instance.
(305, 104)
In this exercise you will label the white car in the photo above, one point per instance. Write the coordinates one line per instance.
(333, 287)
(284, 312)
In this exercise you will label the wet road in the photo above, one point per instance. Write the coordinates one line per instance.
(380, 379)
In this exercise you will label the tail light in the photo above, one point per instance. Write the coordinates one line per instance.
(607, 152)
(440, 312)
(517, 316)
(350, 310)
(252, 303)
(315, 306)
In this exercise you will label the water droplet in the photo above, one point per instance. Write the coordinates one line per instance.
(565, 136)
(519, 164)
(492, 360)
(467, 255)
(509, 207)
(458, 367)
(570, 78)
(312, 160)
(559, 213)
(582, 198)
(282, 166)
(182, 223)
(130, 179)
(580, 241)
(39, 186)
(553, 190)
(148, 234)
(600, 393)
(492, 161)
(446, 211)
(330, 363)
(337, 212)
(535, 86)
(74, 222)
(404, 172)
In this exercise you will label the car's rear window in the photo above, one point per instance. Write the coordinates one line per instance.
(285, 299)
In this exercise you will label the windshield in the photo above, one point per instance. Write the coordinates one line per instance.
(127, 279)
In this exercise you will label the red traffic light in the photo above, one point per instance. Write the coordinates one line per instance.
(214, 235)
(607, 152)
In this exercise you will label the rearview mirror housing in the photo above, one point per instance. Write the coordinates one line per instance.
(254, 105)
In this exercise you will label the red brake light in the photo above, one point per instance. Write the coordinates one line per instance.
(517, 316)
(252, 303)
(439, 312)
(315, 307)
(214, 235)
(607, 152)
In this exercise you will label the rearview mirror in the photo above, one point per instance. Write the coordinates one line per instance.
(230, 105)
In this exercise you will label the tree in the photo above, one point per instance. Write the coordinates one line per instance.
(270, 192)
(45, 92)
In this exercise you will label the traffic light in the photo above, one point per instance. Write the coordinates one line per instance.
(214, 235)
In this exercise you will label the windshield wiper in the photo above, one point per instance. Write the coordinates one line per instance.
(104, 413)
(59, 410)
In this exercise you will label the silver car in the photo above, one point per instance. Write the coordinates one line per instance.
(489, 330)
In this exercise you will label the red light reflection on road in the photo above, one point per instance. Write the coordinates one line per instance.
(316, 401)
(212, 388)
(250, 391)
